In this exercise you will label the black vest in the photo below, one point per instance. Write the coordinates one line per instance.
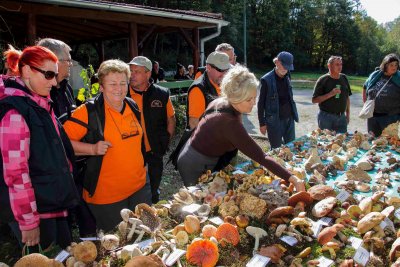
(155, 101)
(90, 166)
(49, 168)
(209, 92)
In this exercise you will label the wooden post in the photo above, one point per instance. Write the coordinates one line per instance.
(196, 53)
(31, 28)
(133, 44)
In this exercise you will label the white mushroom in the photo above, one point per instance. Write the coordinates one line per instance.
(125, 214)
(134, 222)
(257, 233)
(280, 229)
(110, 242)
(144, 229)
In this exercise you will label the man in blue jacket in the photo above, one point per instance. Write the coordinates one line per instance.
(277, 110)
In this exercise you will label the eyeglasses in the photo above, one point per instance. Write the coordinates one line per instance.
(218, 69)
(49, 75)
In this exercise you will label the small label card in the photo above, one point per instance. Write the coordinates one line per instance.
(324, 262)
(238, 172)
(93, 238)
(383, 224)
(220, 194)
(361, 256)
(216, 220)
(258, 261)
(166, 205)
(397, 213)
(192, 189)
(355, 242)
(343, 196)
(146, 243)
(325, 221)
(62, 256)
(316, 228)
(290, 240)
(174, 257)
(276, 184)
(192, 208)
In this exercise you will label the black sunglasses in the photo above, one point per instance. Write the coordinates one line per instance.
(47, 74)
(218, 69)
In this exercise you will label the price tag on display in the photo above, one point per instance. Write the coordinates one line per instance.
(174, 257)
(324, 262)
(383, 224)
(62, 256)
(192, 189)
(316, 228)
(361, 256)
(290, 240)
(220, 194)
(355, 242)
(166, 205)
(146, 243)
(216, 220)
(94, 238)
(238, 172)
(192, 208)
(390, 224)
(343, 196)
(276, 184)
(258, 261)
(325, 221)
(397, 214)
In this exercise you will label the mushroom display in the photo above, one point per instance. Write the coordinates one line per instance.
(273, 252)
(192, 224)
(328, 233)
(320, 192)
(324, 207)
(85, 251)
(226, 232)
(299, 201)
(148, 261)
(257, 233)
(280, 215)
(202, 253)
(369, 221)
(332, 247)
(36, 259)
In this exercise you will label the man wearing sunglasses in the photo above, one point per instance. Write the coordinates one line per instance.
(206, 88)
(61, 94)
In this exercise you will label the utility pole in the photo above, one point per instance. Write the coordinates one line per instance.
(244, 33)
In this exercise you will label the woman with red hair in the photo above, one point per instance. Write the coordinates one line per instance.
(36, 182)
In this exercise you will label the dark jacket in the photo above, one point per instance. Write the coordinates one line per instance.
(155, 101)
(63, 99)
(49, 168)
(271, 108)
(209, 91)
(376, 76)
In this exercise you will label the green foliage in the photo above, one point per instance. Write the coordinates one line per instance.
(350, 232)
(90, 90)
(180, 115)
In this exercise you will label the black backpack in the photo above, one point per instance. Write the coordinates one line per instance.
(223, 160)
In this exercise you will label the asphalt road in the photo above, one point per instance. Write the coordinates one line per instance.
(308, 115)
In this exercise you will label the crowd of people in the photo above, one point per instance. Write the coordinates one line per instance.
(63, 163)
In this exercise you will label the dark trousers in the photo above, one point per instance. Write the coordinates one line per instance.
(52, 231)
(376, 124)
(155, 168)
(331, 121)
(108, 215)
(285, 130)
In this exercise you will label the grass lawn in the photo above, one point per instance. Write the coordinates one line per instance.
(306, 80)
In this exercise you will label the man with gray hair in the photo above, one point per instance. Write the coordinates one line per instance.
(331, 93)
(229, 50)
(61, 94)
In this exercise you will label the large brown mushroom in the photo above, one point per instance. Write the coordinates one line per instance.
(148, 215)
(148, 261)
(273, 252)
(280, 215)
(324, 207)
(37, 260)
(328, 233)
(395, 250)
(321, 191)
(85, 251)
(202, 253)
(369, 221)
(227, 233)
(299, 201)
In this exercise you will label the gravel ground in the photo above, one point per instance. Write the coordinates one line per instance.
(308, 121)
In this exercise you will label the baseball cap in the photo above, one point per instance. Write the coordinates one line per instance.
(286, 59)
(219, 60)
(142, 61)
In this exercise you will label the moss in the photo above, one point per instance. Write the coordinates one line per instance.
(350, 232)
(316, 250)
(346, 253)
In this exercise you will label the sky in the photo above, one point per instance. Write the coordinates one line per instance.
(382, 10)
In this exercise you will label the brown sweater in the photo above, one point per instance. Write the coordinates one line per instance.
(218, 133)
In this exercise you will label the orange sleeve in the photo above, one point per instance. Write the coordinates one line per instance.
(170, 109)
(197, 75)
(197, 104)
(74, 130)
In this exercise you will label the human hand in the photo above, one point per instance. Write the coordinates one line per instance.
(101, 147)
(335, 91)
(298, 183)
(31, 237)
(263, 129)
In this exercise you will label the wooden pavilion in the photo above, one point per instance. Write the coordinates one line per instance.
(94, 21)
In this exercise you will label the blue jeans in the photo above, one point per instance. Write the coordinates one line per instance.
(333, 122)
(377, 124)
(285, 131)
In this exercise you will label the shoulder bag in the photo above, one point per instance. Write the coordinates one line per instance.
(368, 108)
